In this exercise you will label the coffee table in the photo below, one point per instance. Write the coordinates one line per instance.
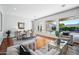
(62, 47)
(46, 51)
(51, 49)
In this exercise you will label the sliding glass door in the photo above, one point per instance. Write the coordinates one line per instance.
(69, 24)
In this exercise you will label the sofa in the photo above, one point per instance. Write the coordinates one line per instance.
(14, 50)
(34, 47)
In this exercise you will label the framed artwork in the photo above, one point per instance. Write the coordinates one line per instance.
(38, 27)
(50, 25)
(0, 21)
(21, 25)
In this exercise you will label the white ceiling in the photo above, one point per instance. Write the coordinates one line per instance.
(33, 11)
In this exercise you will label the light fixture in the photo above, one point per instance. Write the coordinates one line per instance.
(14, 8)
(63, 5)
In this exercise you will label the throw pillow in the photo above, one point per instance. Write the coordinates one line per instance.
(24, 51)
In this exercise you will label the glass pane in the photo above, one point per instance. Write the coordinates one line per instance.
(69, 25)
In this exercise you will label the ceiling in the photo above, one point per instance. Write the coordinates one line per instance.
(34, 11)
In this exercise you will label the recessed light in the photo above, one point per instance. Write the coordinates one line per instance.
(63, 5)
(34, 16)
(14, 8)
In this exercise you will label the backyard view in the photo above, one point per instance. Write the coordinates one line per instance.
(69, 25)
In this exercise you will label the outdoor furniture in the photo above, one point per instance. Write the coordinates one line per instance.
(67, 37)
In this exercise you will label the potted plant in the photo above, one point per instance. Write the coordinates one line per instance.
(8, 33)
(58, 40)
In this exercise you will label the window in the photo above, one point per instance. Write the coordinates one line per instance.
(68, 24)
(0, 21)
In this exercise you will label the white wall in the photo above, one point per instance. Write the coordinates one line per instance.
(11, 22)
(42, 22)
(56, 17)
(1, 35)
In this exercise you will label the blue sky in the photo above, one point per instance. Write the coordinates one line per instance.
(76, 21)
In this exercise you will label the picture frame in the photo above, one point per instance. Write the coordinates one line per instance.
(21, 25)
(50, 25)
